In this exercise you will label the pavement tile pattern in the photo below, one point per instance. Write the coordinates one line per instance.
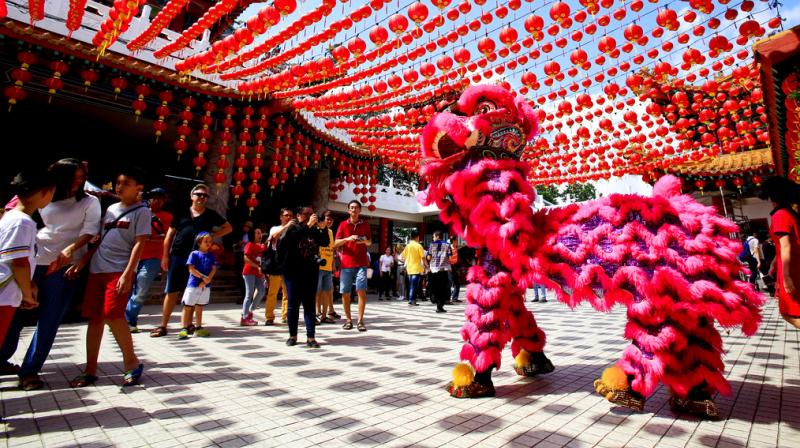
(244, 387)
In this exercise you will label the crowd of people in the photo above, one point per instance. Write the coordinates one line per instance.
(114, 256)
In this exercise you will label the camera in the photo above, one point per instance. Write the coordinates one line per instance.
(320, 261)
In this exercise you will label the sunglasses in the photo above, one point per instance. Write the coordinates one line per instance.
(201, 195)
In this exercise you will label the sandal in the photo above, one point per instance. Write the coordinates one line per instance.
(327, 320)
(8, 368)
(158, 332)
(334, 315)
(361, 326)
(83, 380)
(131, 377)
(29, 383)
(348, 325)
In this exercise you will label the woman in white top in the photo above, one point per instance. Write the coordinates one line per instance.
(71, 221)
(385, 264)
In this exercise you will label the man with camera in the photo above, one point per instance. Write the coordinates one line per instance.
(298, 256)
(353, 237)
(150, 261)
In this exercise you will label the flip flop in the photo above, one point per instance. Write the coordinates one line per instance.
(82, 380)
(131, 377)
(29, 383)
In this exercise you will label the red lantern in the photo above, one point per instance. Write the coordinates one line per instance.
(486, 46)
(378, 35)
(89, 76)
(356, 46)
(398, 23)
(508, 36)
(461, 56)
(559, 12)
(418, 12)
(285, 7)
(139, 105)
(119, 84)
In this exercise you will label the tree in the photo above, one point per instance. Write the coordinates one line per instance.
(400, 179)
(571, 193)
(580, 192)
(549, 193)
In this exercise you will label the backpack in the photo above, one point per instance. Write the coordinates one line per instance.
(745, 255)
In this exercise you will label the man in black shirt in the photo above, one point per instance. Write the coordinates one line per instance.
(178, 244)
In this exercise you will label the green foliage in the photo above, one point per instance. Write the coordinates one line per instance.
(580, 192)
(549, 193)
(571, 193)
(400, 179)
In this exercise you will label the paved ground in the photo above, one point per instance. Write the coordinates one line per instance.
(243, 386)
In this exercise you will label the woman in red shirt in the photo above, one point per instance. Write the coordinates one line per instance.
(785, 232)
(255, 284)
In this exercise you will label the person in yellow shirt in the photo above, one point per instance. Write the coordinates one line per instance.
(325, 312)
(414, 258)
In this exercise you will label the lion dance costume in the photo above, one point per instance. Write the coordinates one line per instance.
(666, 258)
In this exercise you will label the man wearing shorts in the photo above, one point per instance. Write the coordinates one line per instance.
(325, 311)
(353, 237)
(112, 272)
(179, 243)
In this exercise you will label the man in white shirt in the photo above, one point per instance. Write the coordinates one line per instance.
(274, 279)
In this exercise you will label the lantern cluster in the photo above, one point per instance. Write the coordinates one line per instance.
(117, 22)
(162, 19)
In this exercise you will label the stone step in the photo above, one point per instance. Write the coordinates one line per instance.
(225, 288)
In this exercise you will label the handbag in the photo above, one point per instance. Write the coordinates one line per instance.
(269, 261)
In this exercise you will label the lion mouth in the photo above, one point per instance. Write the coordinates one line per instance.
(444, 146)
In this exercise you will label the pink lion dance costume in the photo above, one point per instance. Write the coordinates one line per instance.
(667, 259)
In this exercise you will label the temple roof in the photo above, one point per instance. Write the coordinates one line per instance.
(727, 163)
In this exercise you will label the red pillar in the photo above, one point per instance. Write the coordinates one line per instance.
(383, 242)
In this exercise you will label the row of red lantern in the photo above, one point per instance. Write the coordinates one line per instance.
(326, 68)
(162, 19)
(331, 31)
(426, 69)
(255, 26)
(54, 83)
(20, 75)
(304, 74)
(483, 44)
(386, 132)
(542, 99)
(116, 22)
(425, 97)
(209, 18)
(738, 181)
(378, 35)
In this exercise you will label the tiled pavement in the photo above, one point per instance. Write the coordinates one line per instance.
(243, 386)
